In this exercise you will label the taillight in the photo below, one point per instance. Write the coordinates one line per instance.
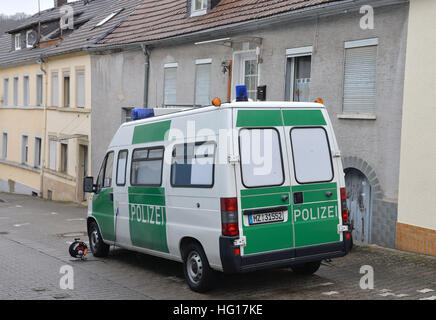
(229, 217)
(344, 208)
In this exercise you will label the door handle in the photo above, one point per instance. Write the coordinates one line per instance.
(329, 194)
(285, 198)
(111, 197)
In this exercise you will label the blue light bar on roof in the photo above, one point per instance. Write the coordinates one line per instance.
(142, 113)
(241, 93)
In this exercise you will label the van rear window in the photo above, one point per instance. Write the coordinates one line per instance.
(261, 157)
(147, 167)
(311, 154)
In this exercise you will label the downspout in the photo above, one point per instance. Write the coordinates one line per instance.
(44, 143)
(146, 73)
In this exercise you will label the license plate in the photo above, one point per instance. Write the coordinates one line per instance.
(269, 217)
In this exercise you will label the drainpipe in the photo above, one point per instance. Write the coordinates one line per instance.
(146, 73)
(44, 103)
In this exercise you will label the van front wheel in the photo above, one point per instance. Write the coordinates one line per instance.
(306, 268)
(198, 274)
(98, 247)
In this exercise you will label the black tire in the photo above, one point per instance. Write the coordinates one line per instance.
(306, 269)
(98, 247)
(198, 274)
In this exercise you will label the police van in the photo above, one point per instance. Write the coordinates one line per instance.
(232, 187)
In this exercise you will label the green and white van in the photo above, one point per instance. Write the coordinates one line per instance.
(232, 188)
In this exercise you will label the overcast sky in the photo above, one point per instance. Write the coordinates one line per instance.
(27, 6)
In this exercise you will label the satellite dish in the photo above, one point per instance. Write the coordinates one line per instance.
(32, 38)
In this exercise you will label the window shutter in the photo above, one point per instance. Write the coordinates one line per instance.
(360, 79)
(81, 89)
(202, 85)
(54, 89)
(170, 90)
(52, 155)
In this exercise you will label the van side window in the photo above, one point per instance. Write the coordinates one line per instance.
(311, 154)
(122, 167)
(107, 179)
(193, 165)
(146, 167)
(261, 158)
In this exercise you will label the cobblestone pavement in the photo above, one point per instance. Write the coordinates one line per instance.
(35, 235)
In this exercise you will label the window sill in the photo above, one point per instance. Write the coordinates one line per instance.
(70, 109)
(20, 165)
(197, 13)
(23, 107)
(357, 116)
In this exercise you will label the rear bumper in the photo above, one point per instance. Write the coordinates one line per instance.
(232, 263)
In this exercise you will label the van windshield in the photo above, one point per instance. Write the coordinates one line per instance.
(261, 157)
(311, 154)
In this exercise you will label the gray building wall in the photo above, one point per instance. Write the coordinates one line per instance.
(371, 146)
(117, 82)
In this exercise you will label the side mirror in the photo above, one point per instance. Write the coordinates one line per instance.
(88, 184)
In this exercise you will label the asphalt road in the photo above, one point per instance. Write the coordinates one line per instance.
(35, 235)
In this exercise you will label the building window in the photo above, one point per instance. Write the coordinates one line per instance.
(66, 88)
(28, 41)
(5, 146)
(198, 7)
(54, 90)
(15, 91)
(24, 149)
(359, 96)
(26, 91)
(250, 77)
(202, 82)
(52, 154)
(298, 74)
(18, 41)
(6, 91)
(80, 91)
(64, 157)
(38, 145)
(170, 84)
(39, 86)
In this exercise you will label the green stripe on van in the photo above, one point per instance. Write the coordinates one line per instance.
(151, 132)
(259, 118)
(318, 186)
(257, 191)
(294, 118)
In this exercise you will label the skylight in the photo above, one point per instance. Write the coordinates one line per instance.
(113, 14)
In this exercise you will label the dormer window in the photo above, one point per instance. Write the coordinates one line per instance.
(18, 41)
(198, 8)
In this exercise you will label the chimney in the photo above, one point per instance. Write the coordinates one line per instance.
(60, 3)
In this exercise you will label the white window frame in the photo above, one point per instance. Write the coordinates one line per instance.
(6, 91)
(55, 94)
(24, 149)
(17, 38)
(202, 62)
(27, 39)
(39, 90)
(351, 45)
(171, 65)
(37, 158)
(198, 12)
(15, 90)
(52, 153)
(26, 90)
(4, 145)
(292, 54)
(78, 102)
(242, 74)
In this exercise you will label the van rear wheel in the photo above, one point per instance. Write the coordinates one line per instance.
(198, 274)
(98, 247)
(307, 268)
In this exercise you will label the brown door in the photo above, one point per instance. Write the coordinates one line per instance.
(83, 170)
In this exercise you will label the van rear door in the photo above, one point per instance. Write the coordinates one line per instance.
(315, 189)
(263, 181)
